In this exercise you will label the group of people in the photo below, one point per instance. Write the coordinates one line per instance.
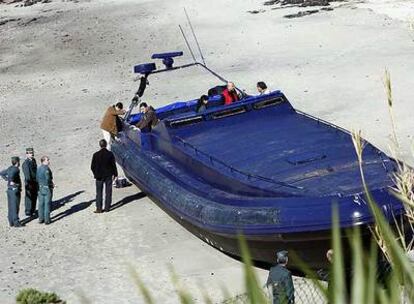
(103, 163)
(230, 95)
(38, 186)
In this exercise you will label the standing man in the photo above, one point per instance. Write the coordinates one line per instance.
(30, 184)
(14, 189)
(44, 178)
(104, 170)
(109, 122)
(279, 282)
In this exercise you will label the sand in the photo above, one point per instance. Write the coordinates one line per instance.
(62, 63)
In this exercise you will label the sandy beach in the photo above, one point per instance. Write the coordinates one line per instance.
(63, 63)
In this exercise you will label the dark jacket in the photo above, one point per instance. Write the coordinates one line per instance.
(12, 175)
(229, 97)
(103, 164)
(280, 279)
(29, 170)
(148, 120)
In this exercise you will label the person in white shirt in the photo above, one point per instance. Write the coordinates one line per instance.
(262, 88)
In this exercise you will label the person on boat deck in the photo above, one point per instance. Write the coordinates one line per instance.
(279, 281)
(262, 88)
(109, 122)
(148, 119)
(230, 94)
(202, 103)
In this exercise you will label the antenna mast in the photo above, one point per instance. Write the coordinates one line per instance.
(186, 42)
(194, 35)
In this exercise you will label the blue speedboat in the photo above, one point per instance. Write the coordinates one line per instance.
(257, 167)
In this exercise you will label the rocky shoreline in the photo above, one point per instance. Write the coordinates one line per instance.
(322, 5)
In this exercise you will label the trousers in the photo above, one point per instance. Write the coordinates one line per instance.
(30, 197)
(107, 181)
(13, 202)
(108, 137)
(45, 202)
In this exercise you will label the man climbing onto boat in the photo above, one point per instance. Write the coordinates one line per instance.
(148, 119)
(279, 282)
(230, 94)
(109, 122)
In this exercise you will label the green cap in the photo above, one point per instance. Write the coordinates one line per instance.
(15, 159)
(29, 150)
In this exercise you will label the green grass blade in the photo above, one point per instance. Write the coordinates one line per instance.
(370, 287)
(184, 297)
(141, 286)
(253, 289)
(339, 288)
(359, 279)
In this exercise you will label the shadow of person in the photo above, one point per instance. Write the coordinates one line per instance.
(54, 206)
(64, 200)
(127, 200)
(72, 210)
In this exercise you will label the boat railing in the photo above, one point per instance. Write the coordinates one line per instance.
(249, 176)
(319, 120)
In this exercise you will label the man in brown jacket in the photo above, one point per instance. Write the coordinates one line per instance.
(148, 119)
(108, 125)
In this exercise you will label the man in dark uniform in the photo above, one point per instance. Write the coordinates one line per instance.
(280, 281)
(30, 184)
(104, 170)
(14, 189)
(44, 179)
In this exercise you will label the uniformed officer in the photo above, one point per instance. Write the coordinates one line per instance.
(279, 282)
(44, 179)
(14, 189)
(30, 184)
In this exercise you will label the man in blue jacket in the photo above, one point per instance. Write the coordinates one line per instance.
(44, 178)
(14, 189)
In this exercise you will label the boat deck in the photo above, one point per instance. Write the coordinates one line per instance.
(282, 145)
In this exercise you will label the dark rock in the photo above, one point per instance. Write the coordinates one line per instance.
(271, 2)
(301, 14)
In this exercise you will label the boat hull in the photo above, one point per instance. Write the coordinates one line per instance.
(309, 246)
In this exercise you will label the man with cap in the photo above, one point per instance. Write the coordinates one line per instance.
(14, 189)
(44, 179)
(30, 184)
(279, 282)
